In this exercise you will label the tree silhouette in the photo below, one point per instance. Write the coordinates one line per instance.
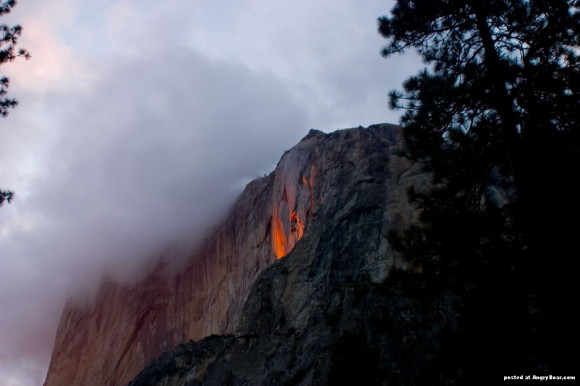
(8, 40)
(494, 119)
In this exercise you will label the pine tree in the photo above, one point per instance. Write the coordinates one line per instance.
(8, 40)
(494, 119)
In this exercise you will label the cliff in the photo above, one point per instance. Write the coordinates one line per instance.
(327, 207)
(319, 316)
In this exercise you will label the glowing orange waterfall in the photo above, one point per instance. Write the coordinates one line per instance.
(281, 242)
(290, 214)
(278, 236)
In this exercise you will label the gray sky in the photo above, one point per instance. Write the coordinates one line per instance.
(140, 121)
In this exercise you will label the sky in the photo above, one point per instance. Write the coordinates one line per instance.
(140, 121)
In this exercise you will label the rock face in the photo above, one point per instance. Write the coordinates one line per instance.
(320, 315)
(328, 208)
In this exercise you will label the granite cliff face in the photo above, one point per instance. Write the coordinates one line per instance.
(327, 208)
(324, 302)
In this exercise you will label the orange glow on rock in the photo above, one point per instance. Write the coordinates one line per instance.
(296, 225)
(282, 243)
(278, 236)
(290, 214)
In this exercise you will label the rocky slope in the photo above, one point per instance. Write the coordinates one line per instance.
(339, 195)
(320, 315)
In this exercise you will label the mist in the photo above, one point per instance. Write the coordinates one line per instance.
(139, 124)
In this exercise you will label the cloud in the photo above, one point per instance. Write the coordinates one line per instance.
(145, 156)
(326, 53)
(139, 122)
